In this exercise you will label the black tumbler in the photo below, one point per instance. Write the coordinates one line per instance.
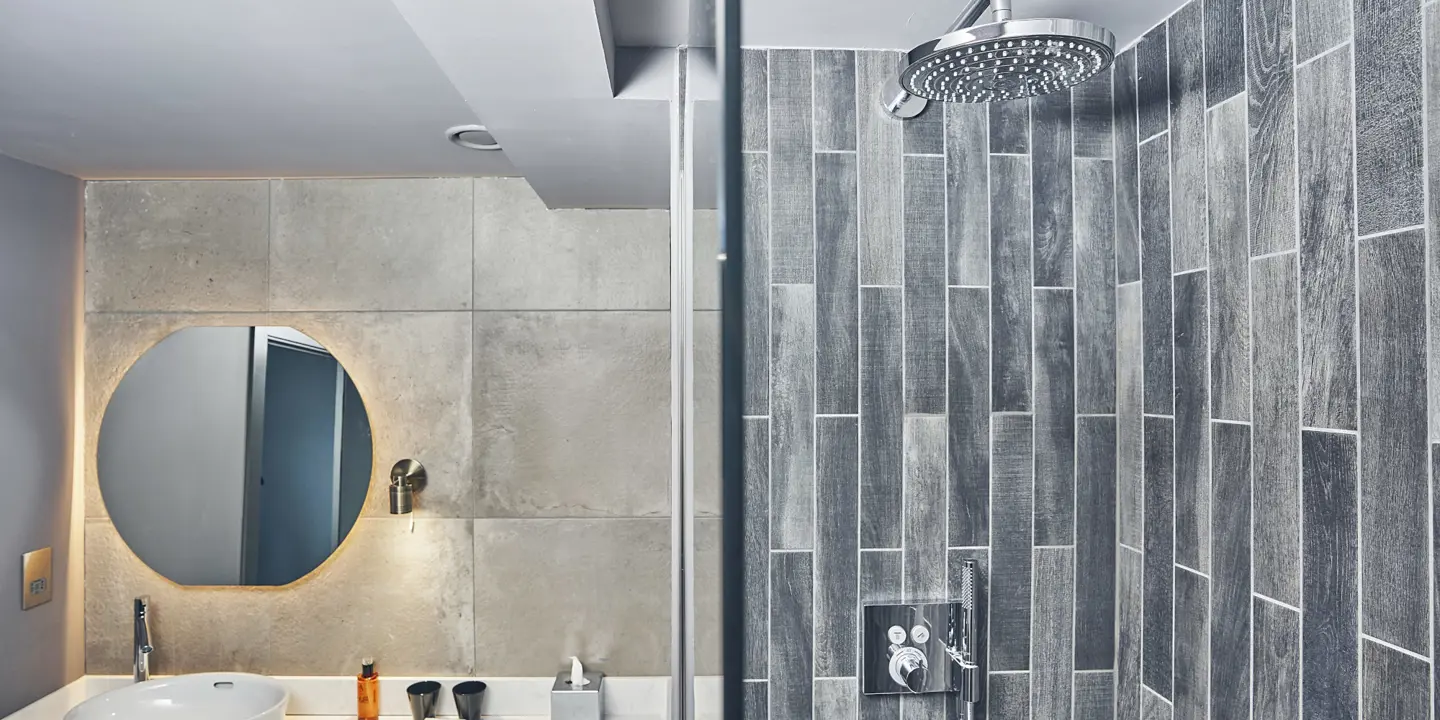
(422, 699)
(467, 699)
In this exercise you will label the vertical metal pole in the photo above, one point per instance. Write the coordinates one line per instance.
(682, 402)
(1002, 10)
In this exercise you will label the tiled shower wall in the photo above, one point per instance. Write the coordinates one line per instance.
(930, 319)
(521, 354)
(1275, 286)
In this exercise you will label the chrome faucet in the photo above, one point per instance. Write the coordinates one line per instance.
(143, 648)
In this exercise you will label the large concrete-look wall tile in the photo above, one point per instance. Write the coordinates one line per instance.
(371, 244)
(187, 636)
(595, 385)
(176, 246)
(596, 588)
(364, 601)
(413, 371)
(529, 257)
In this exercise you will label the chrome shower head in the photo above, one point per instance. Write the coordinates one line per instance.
(1008, 60)
(1004, 60)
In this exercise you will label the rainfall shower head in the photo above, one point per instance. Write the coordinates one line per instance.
(1004, 60)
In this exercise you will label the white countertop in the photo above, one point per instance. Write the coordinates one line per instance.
(333, 698)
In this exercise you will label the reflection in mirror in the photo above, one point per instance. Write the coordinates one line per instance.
(235, 456)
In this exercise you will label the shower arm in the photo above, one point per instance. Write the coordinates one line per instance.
(902, 105)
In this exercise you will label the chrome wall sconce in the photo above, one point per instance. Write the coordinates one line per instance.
(407, 479)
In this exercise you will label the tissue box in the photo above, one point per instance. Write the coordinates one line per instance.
(570, 703)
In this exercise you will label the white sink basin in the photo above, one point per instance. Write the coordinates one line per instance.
(208, 696)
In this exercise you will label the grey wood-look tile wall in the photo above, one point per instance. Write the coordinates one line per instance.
(931, 377)
(1276, 480)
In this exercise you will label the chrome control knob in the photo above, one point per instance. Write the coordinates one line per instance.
(909, 667)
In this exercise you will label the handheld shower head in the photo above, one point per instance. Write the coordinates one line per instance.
(1003, 60)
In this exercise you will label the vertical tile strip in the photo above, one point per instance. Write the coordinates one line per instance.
(878, 159)
(925, 133)
(1224, 50)
(1319, 26)
(757, 548)
(1277, 661)
(882, 418)
(1152, 81)
(1095, 543)
(1052, 666)
(1127, 177)
(967, 190)
(1010, 127)
(1155, 234)
(1327, 242)
(1052, 195)
(1008, 697)
(792, 191)
(1094, 286)
(1010, 309)
(1094, 696)
(837, 295)
(1054, 417)
(791, 634)
(1012, 479)
(1397, 686)
(757, 284)
(1230, 573)
(1094, 117)
(969, 417)
(1277, 431)
(837, 697)
(1187, 136)
(1192, 422)
(1130, 446)
(1229, 263)
(1159, 552)
(1130, 620)
(834, 101)
(756, 699)
(925, 285)
(1331, 632)
(881, 576)
(755, 103)
(1389, 128)
(1394, 486)
(1157, 707)
(792, 430)
(836, 546)
(925, 507)
(1192, 646)
(1271, 77)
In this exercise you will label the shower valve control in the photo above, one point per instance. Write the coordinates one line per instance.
(916, 648)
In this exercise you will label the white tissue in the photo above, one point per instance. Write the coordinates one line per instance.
(577, 674)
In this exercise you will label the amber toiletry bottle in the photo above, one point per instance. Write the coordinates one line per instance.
(367, 691)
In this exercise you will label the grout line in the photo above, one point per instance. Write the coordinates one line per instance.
(967, 287)
(1093, 671)
(754, 680)
(1010, 154)
(1394, 647)
(1336, 431)
(1192, 571)
(1158, 416)
(819, 151)
(1245, 423)
(1277, 603)
(1135, 550)
(1191, 271)
(1322, 54)
(837, 415)
(897, 287)
(1395, 231)
(880, 550)
(1275, 254)
(1095, 415)
(1146, 141)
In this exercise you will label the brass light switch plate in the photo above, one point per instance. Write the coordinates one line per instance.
(38, 585)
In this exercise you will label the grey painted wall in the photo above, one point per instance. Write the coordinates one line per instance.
(1277, 286)
(931, 377)
(39, 297)
(172, 455)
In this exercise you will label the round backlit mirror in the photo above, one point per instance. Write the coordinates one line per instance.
(235, 456)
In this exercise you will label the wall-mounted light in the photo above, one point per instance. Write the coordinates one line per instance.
(407, 479)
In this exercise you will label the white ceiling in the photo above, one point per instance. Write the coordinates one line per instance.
(255, 88)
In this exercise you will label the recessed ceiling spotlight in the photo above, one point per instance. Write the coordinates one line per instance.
(472, 137)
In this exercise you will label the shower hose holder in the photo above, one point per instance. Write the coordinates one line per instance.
(916, 648)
